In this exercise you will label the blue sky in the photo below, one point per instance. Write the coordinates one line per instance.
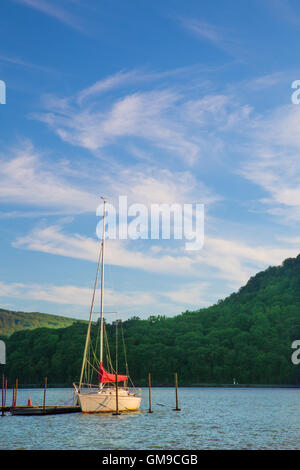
(164, 102)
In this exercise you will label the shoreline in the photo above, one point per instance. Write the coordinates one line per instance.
(238, 386)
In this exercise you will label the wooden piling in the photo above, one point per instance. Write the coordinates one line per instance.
(176, 391)
(45, 389)
(5, 390)
(117, 398)
(2, 403)
(16, 393)
(13, 398)
(117, 385)
(149, 385)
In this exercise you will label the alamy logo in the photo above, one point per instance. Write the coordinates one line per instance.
(2, 92)
(2, 353)
(159, 221)
(295, 356)
(296, 95)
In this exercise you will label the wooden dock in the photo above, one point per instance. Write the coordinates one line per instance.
(41, 410)
(31, 410)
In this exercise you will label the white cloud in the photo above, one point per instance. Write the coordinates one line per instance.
(151, 185)
(218, 36)
(163, 122)
(53, 241)
(147, 115)
(283, 10)
(26, 179)
(273, 161)
(266, 81)
(56, 11)
(115, 81)
(292, 240)
(74, 295)
(231, 260)
(189, 295)
(19, 62)
(236, 260)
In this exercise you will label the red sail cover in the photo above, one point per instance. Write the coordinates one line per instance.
(105, 377)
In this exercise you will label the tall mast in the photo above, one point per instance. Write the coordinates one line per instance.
(101, 257)
(102, 285)
(87, 341)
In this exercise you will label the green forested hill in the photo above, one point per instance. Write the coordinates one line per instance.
(11, 321)
(247, 336)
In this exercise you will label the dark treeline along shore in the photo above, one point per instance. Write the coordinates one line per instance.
(247, 336)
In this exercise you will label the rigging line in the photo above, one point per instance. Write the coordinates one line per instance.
(92, 366)
(89, 374)
(93, 357)
(108, 356)
(124, 347)
(116, 347)
(92, 353)
(90, 319)
(94, 349)
(125, 355)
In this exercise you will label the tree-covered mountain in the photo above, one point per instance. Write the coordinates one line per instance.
(247, 336)
(11, 321)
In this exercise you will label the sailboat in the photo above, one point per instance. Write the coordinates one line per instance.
(105, 396)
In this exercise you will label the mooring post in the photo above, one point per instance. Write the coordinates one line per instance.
(117, 387)
(176, 389)
(2, 403)
(17, 382)
(117, 395)
(13, 398)
(5, 393)
(149, 385)
(117, 398)
(45, 389)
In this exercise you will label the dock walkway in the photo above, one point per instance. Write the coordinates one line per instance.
(39, 410)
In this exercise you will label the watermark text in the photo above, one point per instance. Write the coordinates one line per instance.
(296, 95)
(295, 356)
(155, 222)
(2, 352)
(2, 92)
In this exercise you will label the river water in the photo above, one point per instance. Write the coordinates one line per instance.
(210, 418)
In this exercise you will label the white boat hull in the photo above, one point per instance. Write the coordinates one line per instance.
(104, 401)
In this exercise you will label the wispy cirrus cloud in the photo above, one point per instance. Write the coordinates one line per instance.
(75, 295)
(283, 10)
(142, 76)
(58, 11)
(268, 80)
(218, 36)
(171, 120)
(189, 295)
(273, 161)
(30, 178)
(53, 240)
(26, 179)
(203, 29)
(15, 61)
(117, 80)
(142, 115)
(77, 300)
(232, 260)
